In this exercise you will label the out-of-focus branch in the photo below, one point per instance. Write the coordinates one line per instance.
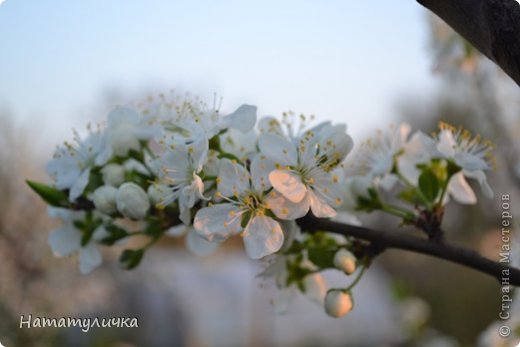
(492, 26)
(386, 240)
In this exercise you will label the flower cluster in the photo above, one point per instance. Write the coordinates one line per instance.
(178, 167)
(421, 172)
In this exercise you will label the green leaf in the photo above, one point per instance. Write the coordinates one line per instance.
(115, 234)
(50, 195)
(429, 184)
(130, 258)
(322, 257)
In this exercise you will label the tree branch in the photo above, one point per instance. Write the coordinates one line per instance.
(384, 240)
(492, 26)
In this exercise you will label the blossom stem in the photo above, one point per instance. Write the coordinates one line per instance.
(444, 190)
(386, 240)
(399, 212)
(420, 194)
(359, 276)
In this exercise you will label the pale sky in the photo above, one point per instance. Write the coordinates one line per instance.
(341, 60)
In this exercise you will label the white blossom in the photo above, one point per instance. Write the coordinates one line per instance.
(193, 122)
(126, 128)
(71, 165)
(315, 284)
(67, 239)
(469, 153)
(245, 199)
(377, 156)
(306, 171)
(179, 178)
(472, 156)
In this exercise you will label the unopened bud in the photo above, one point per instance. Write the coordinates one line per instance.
(338, 303)
(344, 260)
(132, 201)
(113, 174)
(104, 198)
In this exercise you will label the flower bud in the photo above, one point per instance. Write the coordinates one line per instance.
(132, 201)
(344, 260)
(337, 303)
(113, 174)
(104, 198)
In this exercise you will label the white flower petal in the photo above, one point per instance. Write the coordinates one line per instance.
(460, 190)
(278, 149)
(388, 181)
(185, 213)
(199, 245)
(199, 152)
(288, 184)
(283, 208)
(104, 156)
(218, 222)
(122, 115)
(243, 119)
(64, 214)
(89, 258)
(65, 240)
(233, 178)
(480, 176)
(260, 169)
(470, 162)
(239, 144)
(315, 288)
(284, 299)
(100, 233)
(271, 125)
(79, 186)
(446, 144)
(177, 231)
(319, 207)
(335, 143)
(262, 236)
(64, 170)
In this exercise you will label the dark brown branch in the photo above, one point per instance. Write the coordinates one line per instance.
(492, 26)
(383, 240)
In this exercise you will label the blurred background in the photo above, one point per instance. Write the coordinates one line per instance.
(369, 64)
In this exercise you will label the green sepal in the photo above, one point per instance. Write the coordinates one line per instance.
(429, 184)
(131, 258)
(50, 195)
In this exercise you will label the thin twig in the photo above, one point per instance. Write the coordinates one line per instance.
(384, 240)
